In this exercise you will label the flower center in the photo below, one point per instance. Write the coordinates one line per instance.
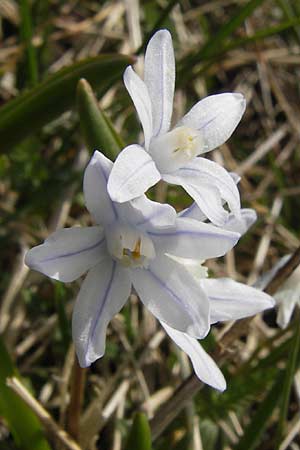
(129, 246)
(174, 149)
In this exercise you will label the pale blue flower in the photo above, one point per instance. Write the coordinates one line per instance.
(173, 155)
(129, 247)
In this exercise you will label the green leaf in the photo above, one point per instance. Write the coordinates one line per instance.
(21, 421)
(290, 13)
(259, 35)
(32, 110)
(253, 432)
(140, 436)
(96, 128)
(218, 41)
(158, 24)
(26, 35)
(289, 378)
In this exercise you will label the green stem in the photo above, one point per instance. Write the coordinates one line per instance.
(289, 378)
(26, 34)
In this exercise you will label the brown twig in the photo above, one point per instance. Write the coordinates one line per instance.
(50, 425)
(77, 391)
(192, 385)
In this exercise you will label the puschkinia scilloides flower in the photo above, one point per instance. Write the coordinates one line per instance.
(229, 300)
(129, 247)
(288, 295)
(173, 154)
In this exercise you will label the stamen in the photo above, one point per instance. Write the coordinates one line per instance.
(129, 246)
(136, 254)
(174, 149)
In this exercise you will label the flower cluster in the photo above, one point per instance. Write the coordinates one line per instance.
(141, 244)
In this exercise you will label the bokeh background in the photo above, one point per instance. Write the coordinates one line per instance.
(252, 47)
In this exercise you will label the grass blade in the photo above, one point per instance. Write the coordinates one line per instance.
(97, 130)
(255, 429)
(140, 435)
(289, 378)
(22, 422)
(213, 44)
(26, 114)
(26, 36)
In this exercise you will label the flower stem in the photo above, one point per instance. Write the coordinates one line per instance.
(76, 400)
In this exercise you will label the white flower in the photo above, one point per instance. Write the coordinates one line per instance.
(287, 297)
(229, 300)
(129, 248)
(240, 224)
(173, 155)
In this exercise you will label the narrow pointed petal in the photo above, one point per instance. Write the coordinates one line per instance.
(243, 223)
(192, 239)
(193, 212)
(204, 366)
(172, 295)
(69, 253)
(206, 197)
(231, 300)
(208, 184)
(262, 282)
(140, 97)
(194, 266)
(160, 79)
(132, 174)
(102, 295)
(216, 116)
(96, 196)
(288, 295)
(147, 214)
(286, 305)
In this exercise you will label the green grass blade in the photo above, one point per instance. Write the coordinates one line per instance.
(140, 436)
(261, 34)
(22, 422)
(289, 13)
(97, 130)
(253, 432)
(289, 378)
(242, 42)
(164, 15)
(218, 41)
(26, 36)
(27, 113)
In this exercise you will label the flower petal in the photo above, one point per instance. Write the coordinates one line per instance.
(241, 224)
(147, 214)
(286, 305)
(208, 183)
(192, 239)
(206, 197)
(68, 253)
(216, 117)
(160, 79)
(173, 296)
(96, 196)
(102, 295)
(204, 366)
(132, 174)
(230, 300)
(140, 97)
(193, 212)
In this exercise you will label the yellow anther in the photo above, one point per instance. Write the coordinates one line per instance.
(136, 253)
